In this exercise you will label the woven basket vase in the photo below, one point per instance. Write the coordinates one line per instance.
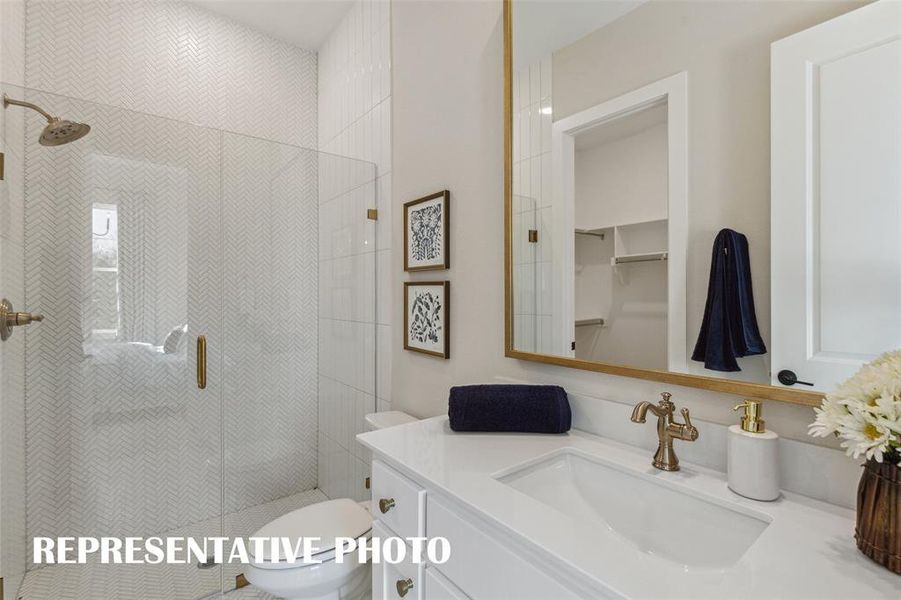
(878, 531)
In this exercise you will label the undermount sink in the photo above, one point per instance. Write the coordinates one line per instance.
(653, 515)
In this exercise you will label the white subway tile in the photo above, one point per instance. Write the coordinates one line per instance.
(386, 210)
(383, 361)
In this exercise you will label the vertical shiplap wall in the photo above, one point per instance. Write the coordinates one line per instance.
(12, 287)
(355, 121)
(533, 266)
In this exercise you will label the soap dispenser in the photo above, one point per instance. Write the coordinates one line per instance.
(752, 455)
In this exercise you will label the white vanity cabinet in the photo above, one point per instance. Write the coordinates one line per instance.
(397, 502)
(578, 516)
(482, 565)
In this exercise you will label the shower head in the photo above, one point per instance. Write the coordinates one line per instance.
(58, 131)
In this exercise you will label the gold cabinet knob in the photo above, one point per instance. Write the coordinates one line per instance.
(404, 586)
(386, 504)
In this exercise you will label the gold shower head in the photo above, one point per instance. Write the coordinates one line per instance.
(58, 131)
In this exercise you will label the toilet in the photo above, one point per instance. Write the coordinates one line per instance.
(327, 520)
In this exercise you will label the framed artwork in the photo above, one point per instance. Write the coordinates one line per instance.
(426, 229)
(427, 317)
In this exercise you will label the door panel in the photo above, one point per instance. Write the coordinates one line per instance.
(836, 195)
(123, 257)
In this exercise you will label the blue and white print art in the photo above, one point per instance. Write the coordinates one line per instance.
(426, 317)
(425, 233)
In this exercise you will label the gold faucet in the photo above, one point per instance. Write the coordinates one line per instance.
(667, 430)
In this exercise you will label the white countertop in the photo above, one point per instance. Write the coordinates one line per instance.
(807, 551)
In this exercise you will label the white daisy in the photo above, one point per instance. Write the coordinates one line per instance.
(865, 410)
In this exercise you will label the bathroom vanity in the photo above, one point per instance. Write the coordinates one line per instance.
(579, 516)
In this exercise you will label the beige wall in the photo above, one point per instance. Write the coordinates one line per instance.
(622, 181)
(447, 133)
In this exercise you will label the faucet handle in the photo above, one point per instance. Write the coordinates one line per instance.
(665, 402)
(690, 430)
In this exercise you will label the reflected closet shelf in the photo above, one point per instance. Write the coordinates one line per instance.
(641, 257)
(587, 322)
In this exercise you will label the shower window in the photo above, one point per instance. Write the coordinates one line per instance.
(104, 305)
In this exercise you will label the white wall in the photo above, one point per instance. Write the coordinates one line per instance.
(448, 132)
(617, 182)
(355, 121)
(622, 181)
(12, 355)
(630, 298)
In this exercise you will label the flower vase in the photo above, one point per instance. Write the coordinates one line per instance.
(878, 531)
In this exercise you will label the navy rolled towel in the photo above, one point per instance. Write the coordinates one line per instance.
(509, 408)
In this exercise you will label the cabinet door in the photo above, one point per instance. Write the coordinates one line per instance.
(402, 581)
(836, 195)
(437, 587)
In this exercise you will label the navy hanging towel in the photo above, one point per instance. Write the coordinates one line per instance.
(729, 329)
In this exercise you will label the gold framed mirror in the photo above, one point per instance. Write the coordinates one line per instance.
(573, 115)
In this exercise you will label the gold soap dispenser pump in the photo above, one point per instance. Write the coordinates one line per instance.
(752, 455)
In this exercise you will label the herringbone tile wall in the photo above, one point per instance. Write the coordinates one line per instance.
(270, 219)
(118, 437)
(175, 60)
(12, 356)
(217, 230)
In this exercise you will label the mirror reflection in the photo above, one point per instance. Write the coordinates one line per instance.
(645, 179)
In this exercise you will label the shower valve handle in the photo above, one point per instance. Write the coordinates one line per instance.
(9, 318)
(23, 318)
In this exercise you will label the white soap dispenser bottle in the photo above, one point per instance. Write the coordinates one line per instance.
(752, 455)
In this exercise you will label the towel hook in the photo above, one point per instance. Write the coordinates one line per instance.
(104, 234)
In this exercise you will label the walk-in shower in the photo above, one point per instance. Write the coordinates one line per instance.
(138, 239)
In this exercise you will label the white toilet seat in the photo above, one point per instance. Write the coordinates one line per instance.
(325, 557)
(326, 579)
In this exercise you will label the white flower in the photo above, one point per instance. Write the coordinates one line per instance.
(865, 410)
(864, 436)
(828, 418)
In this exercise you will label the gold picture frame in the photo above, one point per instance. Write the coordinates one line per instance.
(444, 263)
(441, 346)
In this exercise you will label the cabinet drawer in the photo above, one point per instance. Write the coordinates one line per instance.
(397, 501)
(437, 587)
(403, 581)
(482, 566)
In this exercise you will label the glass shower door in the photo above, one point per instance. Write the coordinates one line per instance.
(138, 239)
(123, 256)
(299, 284)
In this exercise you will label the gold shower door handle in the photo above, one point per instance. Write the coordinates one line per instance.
(201, 361)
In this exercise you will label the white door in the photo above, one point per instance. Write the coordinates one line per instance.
(836, 195)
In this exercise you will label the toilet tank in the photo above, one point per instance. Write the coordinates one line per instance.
(389, 418)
